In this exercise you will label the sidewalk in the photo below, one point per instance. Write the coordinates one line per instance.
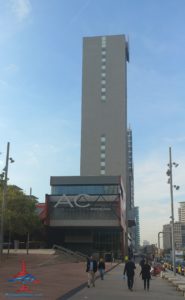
(114, 287)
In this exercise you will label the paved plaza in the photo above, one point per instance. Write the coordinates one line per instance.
(64, 280)
(56, 277)
(114, 287)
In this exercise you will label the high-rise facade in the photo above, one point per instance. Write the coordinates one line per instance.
(104, 107)
(136, 230)
(130, 177)
(132, 211)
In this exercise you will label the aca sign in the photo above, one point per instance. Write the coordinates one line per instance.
(75, 202)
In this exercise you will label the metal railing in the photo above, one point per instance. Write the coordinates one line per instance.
(68, 252)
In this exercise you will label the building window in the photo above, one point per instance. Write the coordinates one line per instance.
(103, 67)
(103, 75)
(103, 138)
(103, 82)
(102, 163)
(103, 97)
(102, 147)
(102, 172)
(102, 156)
(103, 41)
(103, 60)
(103, 53)
(103, 89)
(102, 167)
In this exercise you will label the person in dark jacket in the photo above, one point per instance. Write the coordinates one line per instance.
(146, 275)
(91, 269)
(129, 271)
(142, 262)
(101, 268)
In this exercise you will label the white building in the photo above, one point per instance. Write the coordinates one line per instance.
(146, 243)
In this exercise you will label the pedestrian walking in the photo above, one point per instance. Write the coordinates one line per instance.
(129, 271)
(146, 275)
(142, 262)
(101, 268)
(91, 269)
(179, 269)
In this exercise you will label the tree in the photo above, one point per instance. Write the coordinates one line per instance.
(20, 212)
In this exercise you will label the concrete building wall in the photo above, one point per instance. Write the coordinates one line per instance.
(104, 107)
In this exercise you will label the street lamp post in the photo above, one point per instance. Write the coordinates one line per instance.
(172, 211)
(170, 181)
(5, 179)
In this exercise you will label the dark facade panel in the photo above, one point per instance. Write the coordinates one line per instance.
(91, 180)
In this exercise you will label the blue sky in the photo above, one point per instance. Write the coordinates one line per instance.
(40, 92)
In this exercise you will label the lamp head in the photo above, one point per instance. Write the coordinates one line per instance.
(177, 187)
(168, 173)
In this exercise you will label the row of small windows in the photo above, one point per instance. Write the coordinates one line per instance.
(103, 41)
(103, 68)
(102, 154)
(84, 189)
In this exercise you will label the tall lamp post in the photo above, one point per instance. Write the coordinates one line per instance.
(4, 176)
(170, 181)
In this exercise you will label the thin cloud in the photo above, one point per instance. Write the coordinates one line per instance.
(11, 68)
(79, 12)
(21, 8)
(179, 139)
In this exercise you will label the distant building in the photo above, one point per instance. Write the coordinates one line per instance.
(167, 245)
(179, 236)
(181, 212)
(146, 243)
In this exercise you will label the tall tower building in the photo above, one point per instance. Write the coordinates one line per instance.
(104, 106)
